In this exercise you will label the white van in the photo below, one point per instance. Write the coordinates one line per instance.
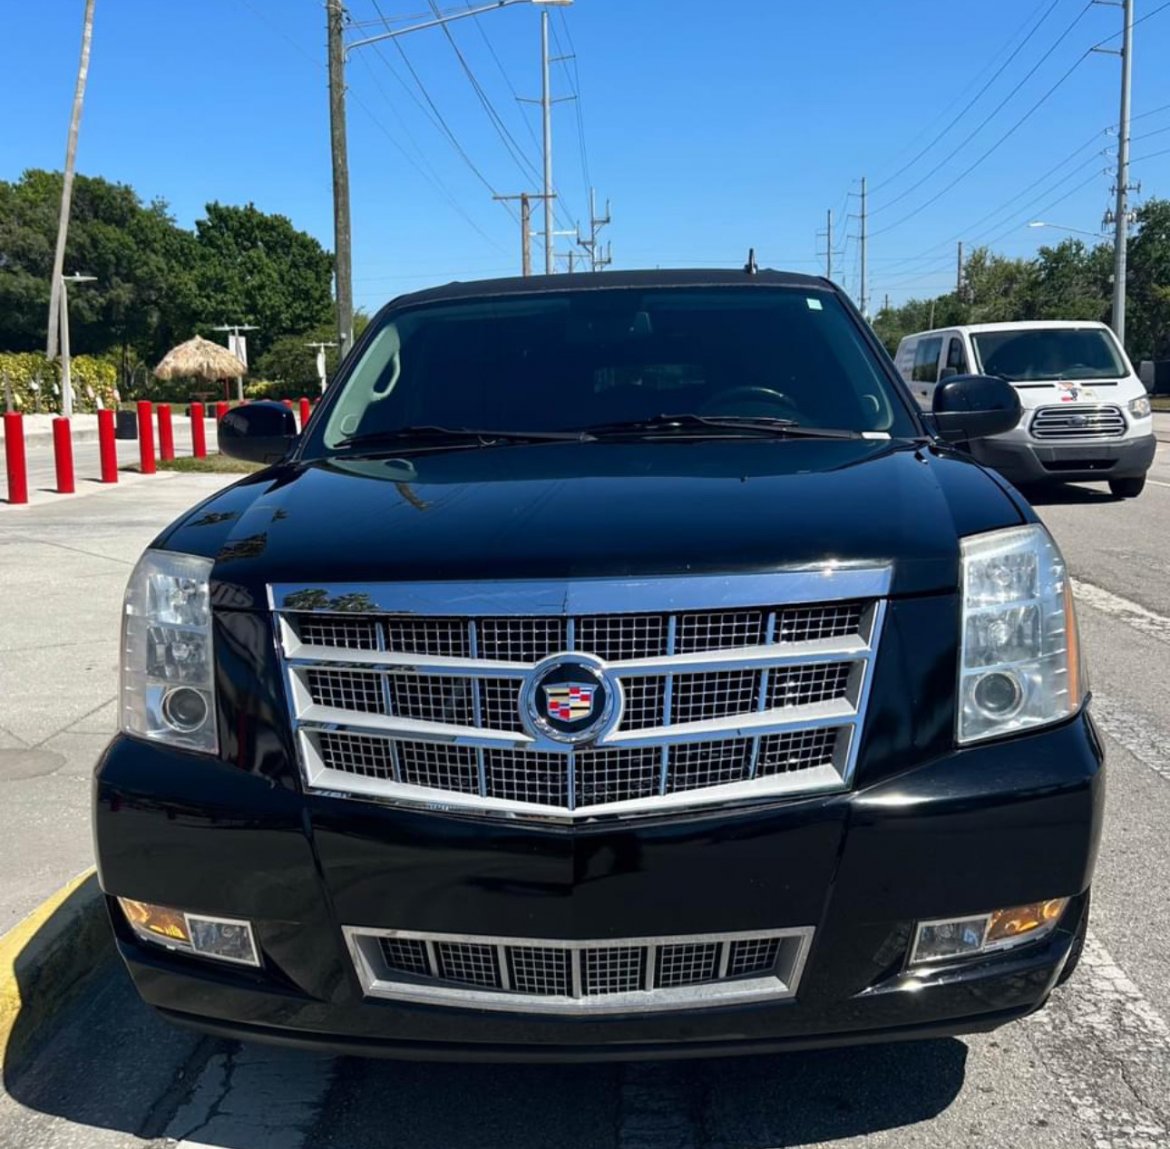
(1086, 415)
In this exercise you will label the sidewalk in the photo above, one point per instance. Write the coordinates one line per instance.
(1162, 426)
(42, 475)
(63, 565)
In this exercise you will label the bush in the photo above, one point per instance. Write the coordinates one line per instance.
(35, 383)
(268, 389)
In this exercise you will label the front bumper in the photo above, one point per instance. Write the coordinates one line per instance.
(992, 826)
(1031, 461)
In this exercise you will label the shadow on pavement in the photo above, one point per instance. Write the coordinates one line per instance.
(1068, 495)
(750, 1103)
(113, 1069)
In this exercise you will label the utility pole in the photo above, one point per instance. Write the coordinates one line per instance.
(342, 237)
(66, 360)
(55, 287)
(959, 273)
(526, 232)
(1121, 239)
(597, 261)
(864, 249)
(887, 304)
(828, 234)
(546, 105)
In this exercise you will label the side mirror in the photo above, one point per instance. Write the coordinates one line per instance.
(975, 406)
(947, 373)
(258, 432)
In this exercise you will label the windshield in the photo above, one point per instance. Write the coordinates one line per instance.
(1041, 353)
(585, 359)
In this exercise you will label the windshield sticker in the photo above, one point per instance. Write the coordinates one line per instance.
(815, 305)
(1071, 392)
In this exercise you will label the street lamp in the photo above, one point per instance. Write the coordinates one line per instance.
(66, 363)
(1061, 227)
(338, 55)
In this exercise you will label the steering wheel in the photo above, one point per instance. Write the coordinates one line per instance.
(766, 394)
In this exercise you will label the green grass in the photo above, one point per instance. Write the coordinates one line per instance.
(212, 464)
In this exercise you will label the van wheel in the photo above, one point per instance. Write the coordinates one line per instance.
(1078, 946)
(1127, 488)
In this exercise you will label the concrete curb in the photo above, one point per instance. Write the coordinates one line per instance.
(45, 961)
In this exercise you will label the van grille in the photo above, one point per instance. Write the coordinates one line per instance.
(1078, 421)
(428, 709)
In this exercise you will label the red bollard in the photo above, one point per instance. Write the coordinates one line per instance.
(221, 409)
(14, 457)
(107, 447)
(166, 432)
(146, 436)
(63, 456)
(198, 432)
(305, 411)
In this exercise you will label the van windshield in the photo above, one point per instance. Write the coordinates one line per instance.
(572, 360)
(1046, 353)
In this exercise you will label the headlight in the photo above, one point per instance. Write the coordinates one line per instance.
(1139, 408)
(1021, 664)
(168, 687)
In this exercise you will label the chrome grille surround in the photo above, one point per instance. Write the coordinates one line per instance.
(538, 975)
(1078, 421)
(724, 700)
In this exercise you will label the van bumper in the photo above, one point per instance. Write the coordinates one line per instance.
(1033, 462)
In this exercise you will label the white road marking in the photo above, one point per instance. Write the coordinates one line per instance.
(1131, 613)
(1145, 739)
(1109, 1050)
(253, 1095)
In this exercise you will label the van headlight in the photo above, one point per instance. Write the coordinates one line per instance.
(1140, 408)
(168, 687)
(1021, 664)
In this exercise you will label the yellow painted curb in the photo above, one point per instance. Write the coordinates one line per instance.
(43, 958)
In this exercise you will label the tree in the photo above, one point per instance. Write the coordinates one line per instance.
(1148, 325)
(257, 268)
(1069, 281)
(291, 361)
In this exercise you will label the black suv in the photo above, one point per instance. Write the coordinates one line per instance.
(616, 665)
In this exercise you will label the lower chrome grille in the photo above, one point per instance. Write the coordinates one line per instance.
(722, 704)
(1078, 421)
(593, 976)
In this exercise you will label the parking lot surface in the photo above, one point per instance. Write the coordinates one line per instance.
(1093, 1069)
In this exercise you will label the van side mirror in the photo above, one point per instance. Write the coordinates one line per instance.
(258, 432)
(974, 407)
(947, 373)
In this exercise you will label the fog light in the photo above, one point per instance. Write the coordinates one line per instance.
(225, 939)
(954, 938)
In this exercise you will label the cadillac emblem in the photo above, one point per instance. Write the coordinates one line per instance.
(570, 698)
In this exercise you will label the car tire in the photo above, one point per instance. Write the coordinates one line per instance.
(1127, 488)
(1078, 945)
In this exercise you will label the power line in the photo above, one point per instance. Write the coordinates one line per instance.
(987, 119)
(990, 151)
(970, 103)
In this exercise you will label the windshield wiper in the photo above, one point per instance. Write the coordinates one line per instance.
(426, 436)
(745, 424)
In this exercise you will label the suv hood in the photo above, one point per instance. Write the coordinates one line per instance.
(581, 510)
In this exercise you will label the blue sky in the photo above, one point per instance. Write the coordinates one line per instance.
(710, 127)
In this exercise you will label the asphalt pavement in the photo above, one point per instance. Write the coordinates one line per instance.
(1091, 1070)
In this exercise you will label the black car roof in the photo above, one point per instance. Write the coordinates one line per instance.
(540, 284)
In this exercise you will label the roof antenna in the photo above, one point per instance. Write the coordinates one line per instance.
(751, 267)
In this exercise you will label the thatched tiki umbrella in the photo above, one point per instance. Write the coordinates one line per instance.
(199, 358)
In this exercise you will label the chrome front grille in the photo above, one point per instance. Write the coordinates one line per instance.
(595, 976)
(1078, 421)
(721, 700)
